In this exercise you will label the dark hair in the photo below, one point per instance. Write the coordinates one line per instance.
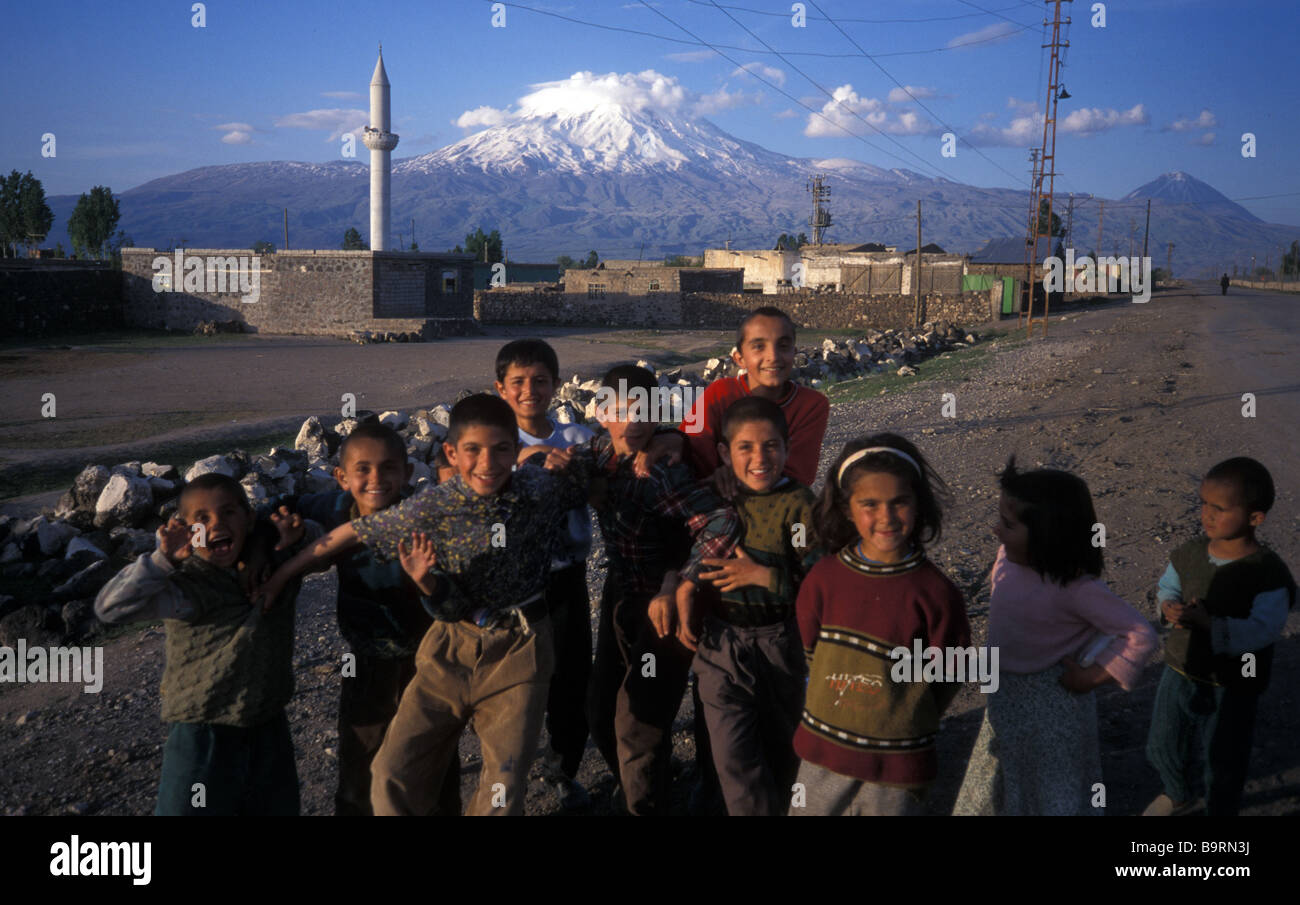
(1253, 481)
(484, 410)
(374, 430)
(836, 528)
(765, 311)
(1056, 509)
(748, 409)
(216, 481)
(634, 375)
(525, 352)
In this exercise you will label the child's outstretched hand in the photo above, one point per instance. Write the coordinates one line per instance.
(174, 539)
(1082, 679)
(266, 595)
(737, 572)
(418, 561)
(1195, 615)
(289, 526)
(661, 446)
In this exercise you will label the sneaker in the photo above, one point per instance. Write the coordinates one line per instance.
(1164, 806)
(571, 793)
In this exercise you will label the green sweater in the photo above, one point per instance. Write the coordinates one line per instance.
(777, 532)
(228, 663)
(1226, 591)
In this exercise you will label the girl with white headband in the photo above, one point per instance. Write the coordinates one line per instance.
(867, 739)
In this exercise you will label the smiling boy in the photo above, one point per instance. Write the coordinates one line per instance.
(479, 548)
(765, 349)
(229, 672)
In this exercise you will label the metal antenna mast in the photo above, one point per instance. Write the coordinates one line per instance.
(821, 215)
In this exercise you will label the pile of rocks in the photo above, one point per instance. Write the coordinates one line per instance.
(363, 337)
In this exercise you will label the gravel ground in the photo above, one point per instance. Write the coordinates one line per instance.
(1138, 400)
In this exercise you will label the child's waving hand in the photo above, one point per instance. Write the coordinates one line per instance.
(174, 540)
(289, 526)
(418, 561)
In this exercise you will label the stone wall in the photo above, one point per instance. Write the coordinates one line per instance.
(821, 310)
(310, 292)
(38, 299)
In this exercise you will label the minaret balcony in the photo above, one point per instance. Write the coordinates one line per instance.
(376, 140)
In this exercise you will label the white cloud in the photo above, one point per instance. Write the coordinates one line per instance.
(236, 133)
(482, 118)
(1089, 120)
(334, 121)
(990, 34)
(1021, 133)
(788, 113)
(343, 95)
(771, 73)
(583, 92)
(1206, 120)
(1206, 139)
(1021, 107)
(908, 92)
(846, 111)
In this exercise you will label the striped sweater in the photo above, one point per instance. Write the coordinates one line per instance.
(857, 720)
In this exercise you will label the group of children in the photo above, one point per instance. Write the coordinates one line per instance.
(467, 602)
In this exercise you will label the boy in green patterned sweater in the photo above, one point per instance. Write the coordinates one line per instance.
(749, 662)
(229, 672)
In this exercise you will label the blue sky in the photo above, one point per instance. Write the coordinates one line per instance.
(1165, 85)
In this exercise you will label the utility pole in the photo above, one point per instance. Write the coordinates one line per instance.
(412, 231)
(821, 216)
(1169, 263)
(1146, 232)
(1048, 170)
(916, 312)
(1101, 214)
(1132, 228)
(1069, 223)
(286, 229)
(1035, 184)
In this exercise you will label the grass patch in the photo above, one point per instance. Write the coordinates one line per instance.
(119, 340)
(957, 365)
(52, 435)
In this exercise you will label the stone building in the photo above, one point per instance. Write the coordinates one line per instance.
(844, 267)
(650, 279)
(312, 292)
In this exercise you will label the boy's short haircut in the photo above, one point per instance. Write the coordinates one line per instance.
(765, 311)
(753, 408)
(525, 352)
(215, 481)
(374, 430)
(483, 410)
(1251, 478)
(634, 375)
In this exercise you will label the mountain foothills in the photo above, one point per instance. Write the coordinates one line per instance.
(635, 181)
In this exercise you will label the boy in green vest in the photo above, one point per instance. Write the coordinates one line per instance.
(1227, 597)
(229, 672)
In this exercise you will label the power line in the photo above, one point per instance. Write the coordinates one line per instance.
(909, 93)
(785, 15)
(818, 86)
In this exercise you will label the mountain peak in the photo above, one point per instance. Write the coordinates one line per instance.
(1179, 187)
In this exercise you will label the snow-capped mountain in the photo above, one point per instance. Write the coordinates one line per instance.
(628, 180)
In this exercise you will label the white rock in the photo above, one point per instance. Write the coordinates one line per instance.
(154, 470)
(123, 501)
(441, 415)
(319, 479)
(395, 420)
(78, 544)
(53, 535)
(217, 464)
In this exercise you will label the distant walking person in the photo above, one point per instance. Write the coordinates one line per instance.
(1223, 284)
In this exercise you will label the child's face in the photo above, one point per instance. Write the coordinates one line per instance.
(527, 389)
(756, 455)
(1011, 531)
(483, 457)
(628, 436)
(373, 474)
(1223, 514)
(767, 352)
(225, 525)
(883, 509)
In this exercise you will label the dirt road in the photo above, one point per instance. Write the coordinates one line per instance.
(1137, 399)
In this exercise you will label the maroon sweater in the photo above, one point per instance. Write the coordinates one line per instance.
(857, 720)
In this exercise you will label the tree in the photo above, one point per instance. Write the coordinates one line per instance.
(415, 246)
(483, 246)
(1291, 260)
(263, 247)
(1057, 228)
(679, 261)
(592, 260)
(566, 263)
(352, 241)
(93, 221)
(25, 218)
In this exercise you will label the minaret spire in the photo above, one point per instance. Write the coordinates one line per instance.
(381, 142)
